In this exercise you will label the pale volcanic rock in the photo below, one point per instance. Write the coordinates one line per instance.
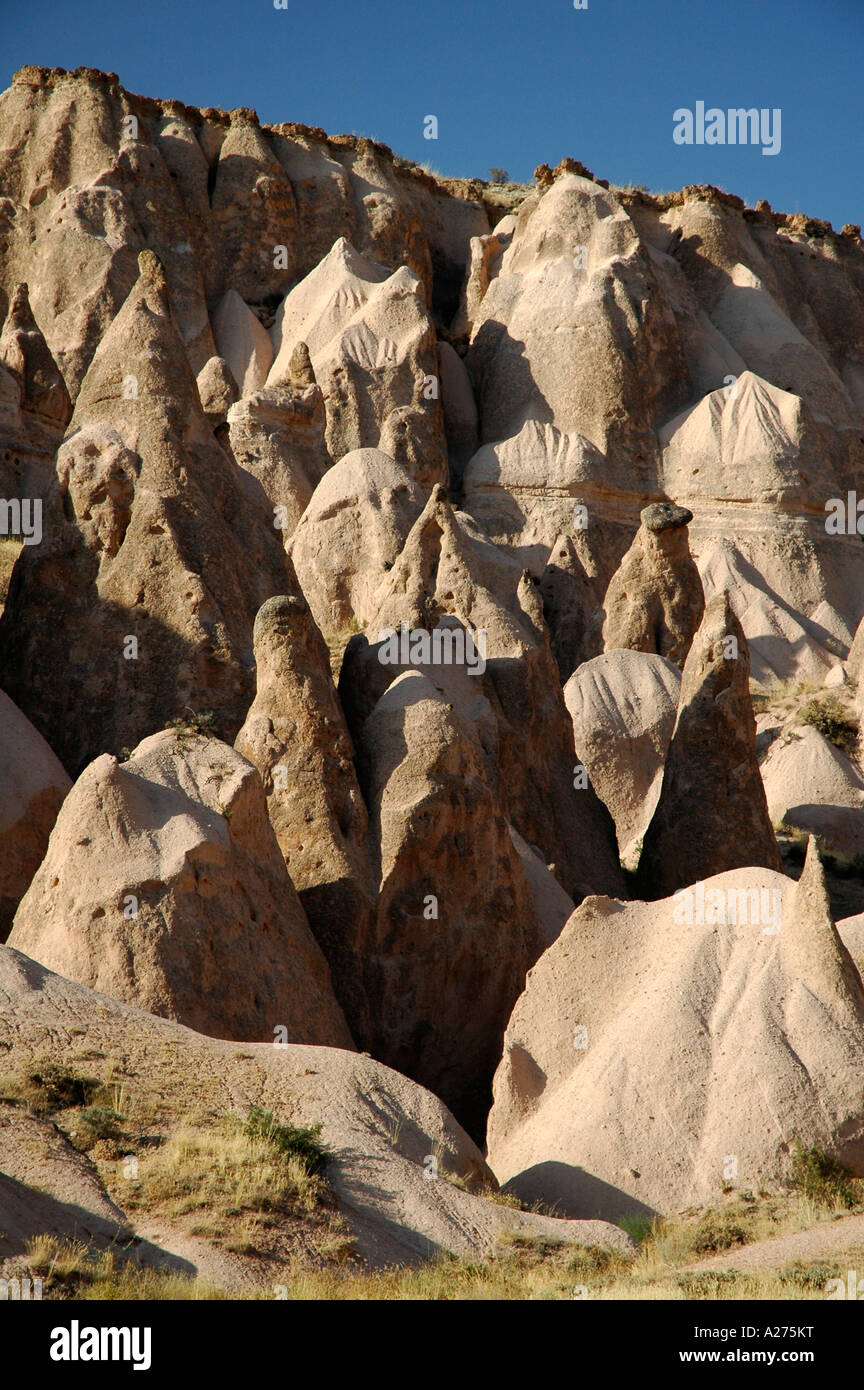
(711, 814)
(647, 1048)
(439, 571)
(805, 767)
(26, 354)
(295, 735)
(350, 535)
(217, 390)
(164, 887)
(254, 211)
(810, 785)
(754, 463)
(373, 347)
(242, 342)
(571, 607)
(553, 905)
(276, 437)
(33, 784)
(377, 1126)
(148, 540)
(532, 361)
(456, 928)
(524, 492)
(444, 573)
(623, 706)
(485, 253)
(655, 601)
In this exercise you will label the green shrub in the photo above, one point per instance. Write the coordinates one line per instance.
(821, 1178)
(51, 1087)
(813, 1276)
(833, 722)
(716, 1231)
(196, 722)
(101, 1123)
(302, 1144)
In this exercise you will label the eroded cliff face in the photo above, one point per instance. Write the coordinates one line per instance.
(451, 453)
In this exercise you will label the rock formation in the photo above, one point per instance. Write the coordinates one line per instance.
(711, 814)
(654, 1041)
(295, 735)
(623, 706)
(33, 786)
(456, 927)
(655, 601)
(140, 600)
(373, 1121)
(176, 898)
(467, 514)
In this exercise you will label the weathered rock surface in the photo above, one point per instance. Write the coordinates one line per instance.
(373, 349)
(140, 600)
(647, 1049)
(805, 771)
(350, 535)
(243, 342)
(571, 607)
(456, 927)
(26, 354)
(295, 735)
(377, 1126)
(276, 436)
(623, 706)
(33, 784)
(445, 571)
(711, 814)
(164, 886)
(655, 600)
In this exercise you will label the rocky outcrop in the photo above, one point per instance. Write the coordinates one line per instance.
(446, 572)
(32, 787)
(26, 354)
(140, 600)
(571, 607)
(456, 928)
(163, 886)
(242, 342)
(655, 600)
(276, 436)
(373, 1122)
(623, 706)
(350, 536)
(295, 735)
(755, 1016)
(373, 349)
(712, 814)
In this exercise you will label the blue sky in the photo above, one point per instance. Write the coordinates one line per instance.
(511, 85)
